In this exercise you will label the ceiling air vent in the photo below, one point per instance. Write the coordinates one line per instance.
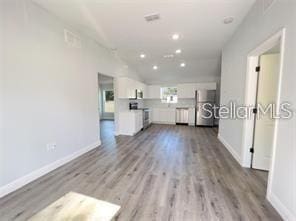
(267, 4)
(152, 17)
(71, 39)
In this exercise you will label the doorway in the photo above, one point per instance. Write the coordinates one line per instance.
(264, 125)
(270, 54)
(106, 106)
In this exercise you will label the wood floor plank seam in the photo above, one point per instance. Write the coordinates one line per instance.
(166, 172)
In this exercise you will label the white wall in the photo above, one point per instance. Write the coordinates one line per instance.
(257, 27)
(1, 92)
(51, 90)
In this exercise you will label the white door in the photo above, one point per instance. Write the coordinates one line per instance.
(264, 126)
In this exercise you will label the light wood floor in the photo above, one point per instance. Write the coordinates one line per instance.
(164, 173)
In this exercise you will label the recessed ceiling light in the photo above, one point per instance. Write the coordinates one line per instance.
(142, 56)
(182, 65)
(178, 51)
(155, 67)
(175, 36)
(228, 20)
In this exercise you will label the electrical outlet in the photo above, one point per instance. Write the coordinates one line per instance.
(51, 146)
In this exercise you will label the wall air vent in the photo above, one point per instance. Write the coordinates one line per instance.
(71, 39)
(169, 56)
(267, 4)
(152, 17)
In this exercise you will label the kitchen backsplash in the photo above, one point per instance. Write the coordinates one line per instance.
(181, 103)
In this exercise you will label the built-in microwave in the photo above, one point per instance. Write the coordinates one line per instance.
(133, 106)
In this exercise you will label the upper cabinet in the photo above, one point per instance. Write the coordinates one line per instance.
(143, 88)
(188, 90)
(126, 88)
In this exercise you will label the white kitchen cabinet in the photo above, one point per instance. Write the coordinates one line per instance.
(186, 90)
(139, 121)
(171, 117)
(143, 88)
(130, 122)
(150, 116)
(155, 115)
(145, 91)
(191, 116)
(164, 115)
(153, 92)
(126, 87)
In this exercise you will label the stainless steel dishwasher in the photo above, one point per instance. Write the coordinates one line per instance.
(182, 115)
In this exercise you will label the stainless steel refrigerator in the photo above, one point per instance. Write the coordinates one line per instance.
(204, 103)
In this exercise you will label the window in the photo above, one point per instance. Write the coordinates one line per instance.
(169, 94)
(108, 101)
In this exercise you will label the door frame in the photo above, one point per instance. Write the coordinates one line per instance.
(250, 98)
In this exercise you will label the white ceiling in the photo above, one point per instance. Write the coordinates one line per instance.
(120, 25)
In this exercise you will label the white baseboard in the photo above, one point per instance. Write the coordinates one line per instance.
(276, 203)
(280, 207)
(230, 149)
(20, 182)
(125, 134)
(160, 122)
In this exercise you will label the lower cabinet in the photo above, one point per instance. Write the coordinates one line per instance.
(164, 115)
(139, 121)
(130, 122)
(168, 116)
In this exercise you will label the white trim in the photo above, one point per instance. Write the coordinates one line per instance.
(250, 100)
(22, 181)
(280, 207)
(249, 97)
(262, 48)
(126, 134)
(274, 146)
(230, 149)
(163, 122)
